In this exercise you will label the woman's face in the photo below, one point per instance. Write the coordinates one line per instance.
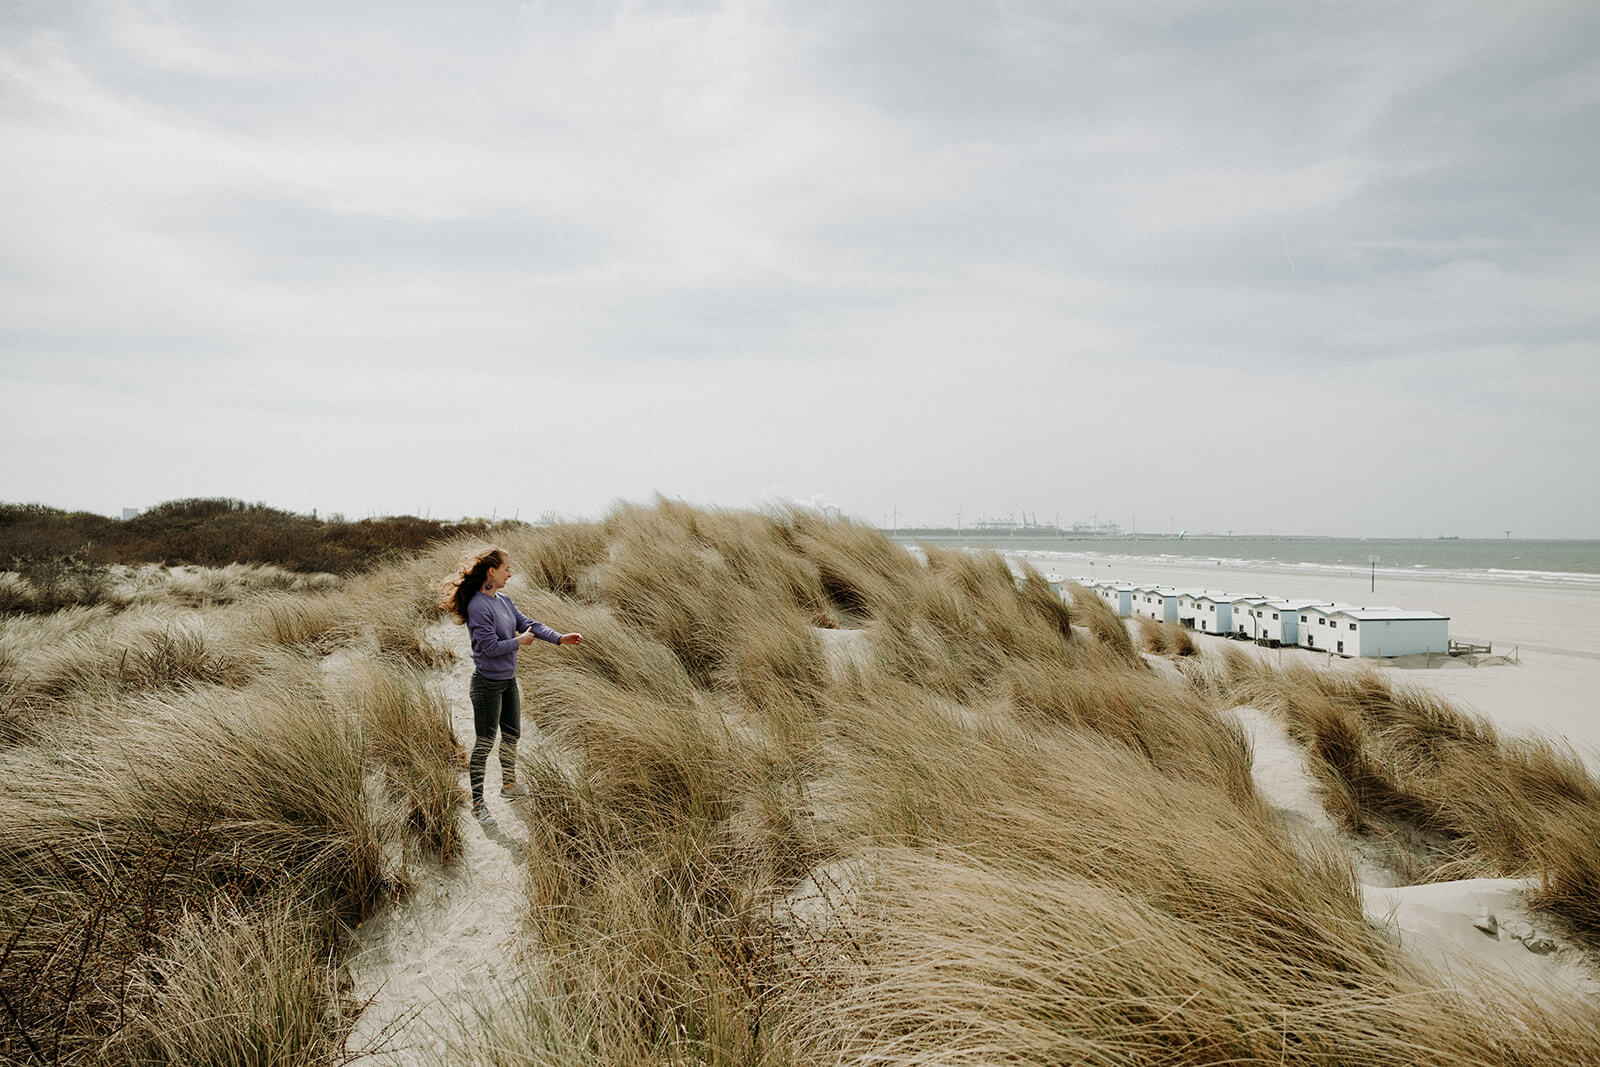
(496, 578)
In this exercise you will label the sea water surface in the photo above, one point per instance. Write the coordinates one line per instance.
(1571, 564)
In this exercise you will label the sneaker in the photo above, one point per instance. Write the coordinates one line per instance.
(513, 790)
(483, 815)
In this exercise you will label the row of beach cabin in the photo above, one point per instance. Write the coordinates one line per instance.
(1342, 629)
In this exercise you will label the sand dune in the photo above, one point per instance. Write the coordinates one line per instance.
(1553, 634)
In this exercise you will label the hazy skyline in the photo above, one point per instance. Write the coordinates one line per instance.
(1320, 268)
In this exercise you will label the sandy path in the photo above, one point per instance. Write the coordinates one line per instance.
(446, 952)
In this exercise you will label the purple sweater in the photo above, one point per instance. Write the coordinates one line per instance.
(493, 623)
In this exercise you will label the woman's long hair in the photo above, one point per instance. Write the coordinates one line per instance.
(462, 587)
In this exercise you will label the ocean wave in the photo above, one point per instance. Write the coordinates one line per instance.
(1417, 571)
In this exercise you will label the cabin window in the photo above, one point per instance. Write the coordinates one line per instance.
(1302, 618)
(1274, 614)
(1352, 626)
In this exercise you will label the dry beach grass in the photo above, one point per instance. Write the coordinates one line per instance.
(991, 833)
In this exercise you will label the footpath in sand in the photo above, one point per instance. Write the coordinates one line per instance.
(453, 947)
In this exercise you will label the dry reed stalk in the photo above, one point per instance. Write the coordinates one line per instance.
(410, 737)
(231, 986)
(959, 960)
(125, 823)
(1398, 758)
(1107, 627)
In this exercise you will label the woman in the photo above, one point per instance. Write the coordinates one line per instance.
(497, 629)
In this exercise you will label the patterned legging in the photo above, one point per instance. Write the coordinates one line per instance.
(496, 707)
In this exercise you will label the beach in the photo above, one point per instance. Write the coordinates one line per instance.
(1549, 635)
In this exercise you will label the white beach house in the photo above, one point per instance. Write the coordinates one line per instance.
(1246, 622)
(1280, 620)
(1319, 627)
(1387, 632)
(1206, 610)
(1117, 594)
(1156, 602)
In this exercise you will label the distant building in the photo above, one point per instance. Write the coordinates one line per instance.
(1119, 595)
(1158, 602)
(130, 513)
(1280, 620)
(1206, 610)
(1245, 611)
(1385, 632)
(1319, 627)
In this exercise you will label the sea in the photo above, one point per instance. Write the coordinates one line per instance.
(1553, 563)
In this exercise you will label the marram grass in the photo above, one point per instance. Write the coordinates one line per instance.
(800, 797)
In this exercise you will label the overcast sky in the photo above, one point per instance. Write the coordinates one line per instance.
(1299, 267)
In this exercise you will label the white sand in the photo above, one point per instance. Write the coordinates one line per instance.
(1463, 929)
(452, 948)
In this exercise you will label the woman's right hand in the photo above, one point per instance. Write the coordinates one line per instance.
(526, 638)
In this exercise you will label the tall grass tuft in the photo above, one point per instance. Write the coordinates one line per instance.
(862, 574)
(82, 660)
(113, 831)
(318, 622)
(953, 959)
(1107, 627)
(556, 557)
(1395, 757)
(410, 738)
(233, 986)
(653, 851)
(675, 588)
(1164, 638)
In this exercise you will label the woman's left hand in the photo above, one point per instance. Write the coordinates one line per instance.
(571, 639)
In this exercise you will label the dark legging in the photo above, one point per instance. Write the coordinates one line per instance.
(496, 707)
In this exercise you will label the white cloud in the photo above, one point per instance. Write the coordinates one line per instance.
(920, 255)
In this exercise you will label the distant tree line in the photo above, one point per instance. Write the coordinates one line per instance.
(211, 532)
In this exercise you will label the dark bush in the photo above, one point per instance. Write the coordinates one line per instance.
(213, 532)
